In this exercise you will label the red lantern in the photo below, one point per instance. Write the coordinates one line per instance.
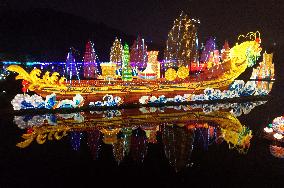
(30, 130)
(25, 82)
(24, 90)
(258, 40)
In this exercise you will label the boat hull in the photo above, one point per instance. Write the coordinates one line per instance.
(128, 97)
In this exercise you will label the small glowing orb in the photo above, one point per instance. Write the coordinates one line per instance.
(278, 136)
(268, 130)
(170, 74)
(182, 72)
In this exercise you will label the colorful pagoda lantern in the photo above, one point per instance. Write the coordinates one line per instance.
(116, 53)
(126, 69)
(71, 67)
(138, 54)
(265, 70)
(148, 73)
(153, 59)
(225, 51)
(90, 65)
(216, 57)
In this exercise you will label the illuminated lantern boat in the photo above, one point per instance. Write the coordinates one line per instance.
(174, 84)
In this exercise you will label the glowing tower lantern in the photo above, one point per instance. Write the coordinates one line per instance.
(138, 54)
(116, 53)
(181, 46)
(225, 51)
(90, 65)
(71, 67)
(207, 53)
(216, 57)
(265, 70)
(153, 60)
(126, 69)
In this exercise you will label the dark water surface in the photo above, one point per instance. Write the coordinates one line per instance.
(169, 147)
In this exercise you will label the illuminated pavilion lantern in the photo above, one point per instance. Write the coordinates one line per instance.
(265, 70)
(207, 55)
(108, 70)
(269, 66)
(208, 50)
(216, 57)
(148, 73)
(153, 59)
(225, 51)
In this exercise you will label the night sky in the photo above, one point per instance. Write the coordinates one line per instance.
(224, 19)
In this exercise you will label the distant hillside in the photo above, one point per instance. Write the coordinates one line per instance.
(47, 35)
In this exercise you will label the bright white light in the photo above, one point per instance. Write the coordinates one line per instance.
(278, 136)
(268, 130)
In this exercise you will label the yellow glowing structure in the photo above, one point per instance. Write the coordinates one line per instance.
(237, 52)
(35, 82)
(41, 134)
(108, 69)
(181, 44)
(116, 52)
(182, 72)
(236, 139)
(153, 59)
(170, 74)
(265, 70)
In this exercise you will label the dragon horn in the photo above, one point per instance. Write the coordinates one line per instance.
(22, 73)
